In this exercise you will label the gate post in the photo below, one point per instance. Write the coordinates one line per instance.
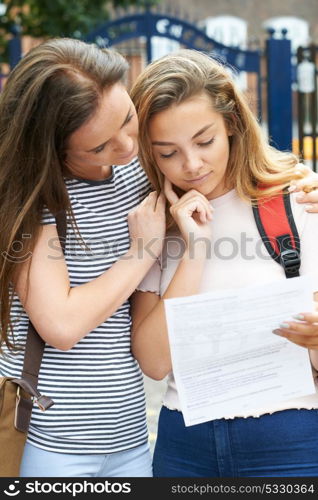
(148, 29)
(279, 91)
(15, 50)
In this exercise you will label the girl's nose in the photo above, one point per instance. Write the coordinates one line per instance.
(124, 144)
(192, 162)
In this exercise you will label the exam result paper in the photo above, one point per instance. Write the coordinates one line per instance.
(226, 360)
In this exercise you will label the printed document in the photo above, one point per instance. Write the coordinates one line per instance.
(226, 360)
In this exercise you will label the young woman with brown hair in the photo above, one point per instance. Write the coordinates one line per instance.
(69, 143)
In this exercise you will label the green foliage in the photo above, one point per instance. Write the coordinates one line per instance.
(50, 18)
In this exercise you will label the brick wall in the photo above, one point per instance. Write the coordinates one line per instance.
(253, 11)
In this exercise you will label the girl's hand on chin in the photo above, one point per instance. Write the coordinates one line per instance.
(192, 213)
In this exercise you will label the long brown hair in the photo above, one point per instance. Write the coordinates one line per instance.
(176, 77)
(53, 90)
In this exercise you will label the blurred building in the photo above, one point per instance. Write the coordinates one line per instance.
(256, 13)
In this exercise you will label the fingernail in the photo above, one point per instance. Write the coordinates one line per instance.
(291, 189)
(284, 325)
(309, 207)
(277, 332)
(299, 316)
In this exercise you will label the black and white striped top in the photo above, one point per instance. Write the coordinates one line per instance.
(97, 386)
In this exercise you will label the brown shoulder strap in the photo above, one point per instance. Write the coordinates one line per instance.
(34, 344)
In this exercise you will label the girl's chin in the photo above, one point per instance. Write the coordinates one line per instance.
(205, 190)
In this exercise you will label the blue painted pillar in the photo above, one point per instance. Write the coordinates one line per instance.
(279, 91)
(15, 50)
(148, 36)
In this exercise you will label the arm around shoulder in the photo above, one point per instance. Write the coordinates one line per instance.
(62, 314)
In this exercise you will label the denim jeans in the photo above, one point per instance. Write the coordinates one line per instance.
(282, 444)
(135, 462)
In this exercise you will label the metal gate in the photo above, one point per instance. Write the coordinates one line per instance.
(275, 79)
(147, 24)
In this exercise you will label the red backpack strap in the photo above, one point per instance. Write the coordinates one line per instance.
(276, 226)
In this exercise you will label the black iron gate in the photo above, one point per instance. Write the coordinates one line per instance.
(145, 24)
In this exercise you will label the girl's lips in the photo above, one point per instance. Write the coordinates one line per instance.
(198, 179)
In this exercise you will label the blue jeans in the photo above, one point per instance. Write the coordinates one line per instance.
(282, 444)
(135, 462)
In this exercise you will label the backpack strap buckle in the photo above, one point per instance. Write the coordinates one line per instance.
(290, 260)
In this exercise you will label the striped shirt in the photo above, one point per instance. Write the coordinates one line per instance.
(97, 386)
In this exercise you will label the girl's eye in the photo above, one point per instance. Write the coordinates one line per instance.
(168, 155)
(102, 147)
(99, 149)
(207, 143)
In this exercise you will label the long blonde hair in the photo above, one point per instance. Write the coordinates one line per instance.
(255, 169)
(53, 90)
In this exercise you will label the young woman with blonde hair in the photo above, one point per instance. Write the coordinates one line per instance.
(201, 145)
